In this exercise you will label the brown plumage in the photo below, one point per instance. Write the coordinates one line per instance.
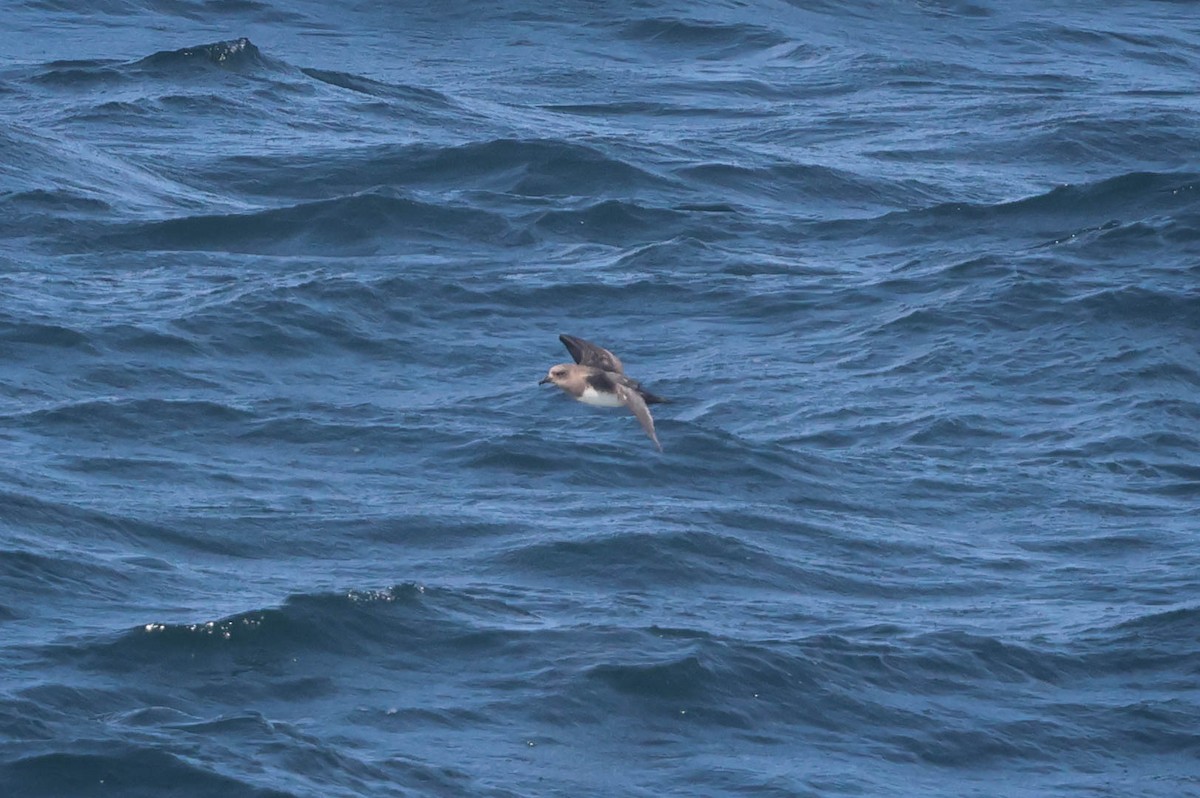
(597, 377)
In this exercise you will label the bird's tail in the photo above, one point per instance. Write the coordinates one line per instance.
(652, 399)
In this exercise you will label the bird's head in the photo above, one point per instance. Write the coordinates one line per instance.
(556, 375)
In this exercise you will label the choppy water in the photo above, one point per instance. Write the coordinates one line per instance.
(283, 511)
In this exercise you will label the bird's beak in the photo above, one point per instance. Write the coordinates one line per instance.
(543, 380)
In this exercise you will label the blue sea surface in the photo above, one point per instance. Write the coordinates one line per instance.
(284, 512)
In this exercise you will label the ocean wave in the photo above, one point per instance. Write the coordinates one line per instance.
(284, 321)
(430, 623)
(33, 575)
(522, 167)
(622, 223)
(375, 88)
(816, 186)
(133, 770)
(1054, 215)
(678, 558)
(816, 683)
(43, 165)
(80, 75)
(360, 224)
(100, 414)
(1138, 304)
(662, 108)
(236, 55)
(1083, 139)
(57, 201)
(1149, 632)
(41, 334)
(702, 39)
(75, 524)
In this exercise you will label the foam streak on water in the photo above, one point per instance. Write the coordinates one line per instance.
(283, 511)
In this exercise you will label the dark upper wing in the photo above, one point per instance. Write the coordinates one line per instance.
(587, 353)
(607, 380)
(601, 381)
(634, 402)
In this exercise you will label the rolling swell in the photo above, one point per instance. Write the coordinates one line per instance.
(721, 677)
(702, 40)
(99, 774)
(1057, 216)
(919, 280)
(374, 88)
(528, 168)
(237, 55)
(354, 225)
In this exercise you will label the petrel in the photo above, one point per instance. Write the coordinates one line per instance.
(598, 378)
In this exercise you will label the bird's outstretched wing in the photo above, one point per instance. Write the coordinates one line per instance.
(587, 353)
(635, 403)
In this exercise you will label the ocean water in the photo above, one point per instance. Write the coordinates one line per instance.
(284, 512)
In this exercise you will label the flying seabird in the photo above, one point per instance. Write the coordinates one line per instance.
(598, 378)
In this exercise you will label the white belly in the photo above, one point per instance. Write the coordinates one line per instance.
(591, 396)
